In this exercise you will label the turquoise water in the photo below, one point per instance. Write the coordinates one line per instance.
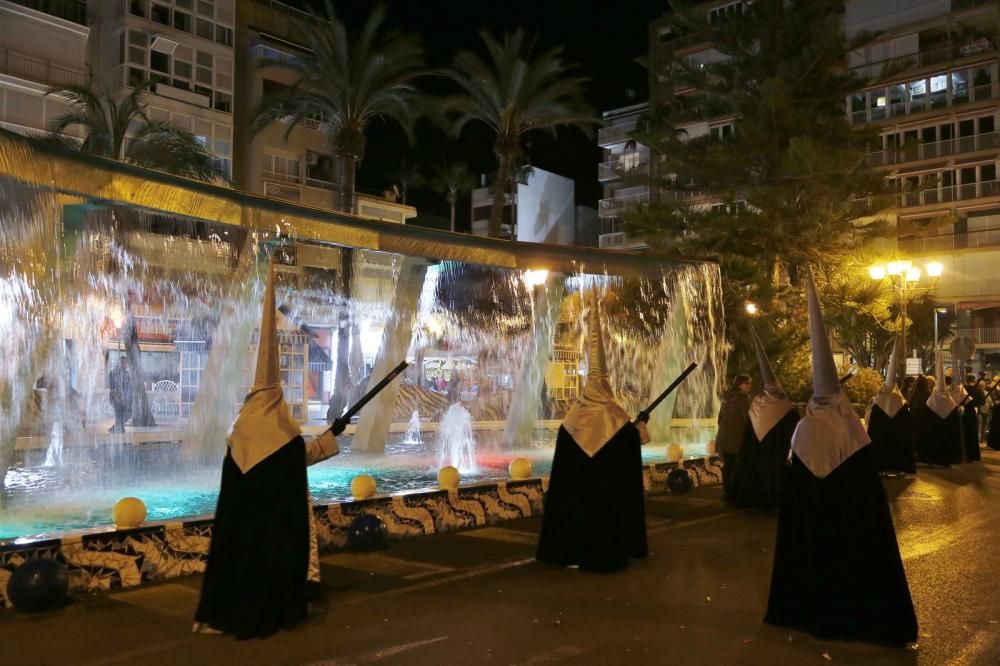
(44, 502)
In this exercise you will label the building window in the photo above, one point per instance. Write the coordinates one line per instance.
(137, 7)
(160, 14)
(277, 167)
(206, 30)
(183, 21)
(159, 62)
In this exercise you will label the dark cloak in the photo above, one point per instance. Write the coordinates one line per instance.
(892, 440)
(595, 512)
(970, 433)
(756, 481)
(938, 441)
(255, 579)
(993, 437)
(837, 570)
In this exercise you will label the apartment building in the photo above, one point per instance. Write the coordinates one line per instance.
(934, 96)
(43, 44)
(623, 169)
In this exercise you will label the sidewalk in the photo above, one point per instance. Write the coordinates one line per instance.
(477, 597)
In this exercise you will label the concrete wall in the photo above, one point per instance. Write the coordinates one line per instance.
(883, 15)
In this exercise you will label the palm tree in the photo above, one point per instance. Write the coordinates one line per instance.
(404, 176)
(106, 126)
(453, 178)
(346, 81)
(514, 95)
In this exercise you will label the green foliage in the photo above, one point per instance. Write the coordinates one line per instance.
(347, 80)
(107, 123)
(790, 185)
(514, 92)
(862, 387)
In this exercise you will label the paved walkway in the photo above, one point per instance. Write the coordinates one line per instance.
(477, 597)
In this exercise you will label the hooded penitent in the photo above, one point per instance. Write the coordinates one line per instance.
(940, 402)
(831, 431)
(264, 423)
(957, 389)
(890, 399)
(598, 416)
(770, 405)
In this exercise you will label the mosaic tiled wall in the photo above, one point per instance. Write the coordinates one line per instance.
(125, 558)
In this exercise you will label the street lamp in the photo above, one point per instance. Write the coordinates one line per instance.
(751, 308)
(909, 277)
(937, 311)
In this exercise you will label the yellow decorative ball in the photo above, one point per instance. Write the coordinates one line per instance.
(128, 512)
(675, 453)
(449, 478)
(519, 468)
(362, 486)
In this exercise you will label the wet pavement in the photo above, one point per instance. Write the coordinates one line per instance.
(477, 597)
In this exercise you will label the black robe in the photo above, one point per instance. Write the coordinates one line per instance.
(938, 441)
(837, 570)
(993, 437)
(970, 433)
(760, 465)
(255, 579)
(595, 511)
(892, 440)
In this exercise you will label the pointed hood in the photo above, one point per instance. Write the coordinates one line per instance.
(957, 389)
(831, 431)
(264, 423)
(890, 399)
(941, 402)
(770, 405)
(597, 417)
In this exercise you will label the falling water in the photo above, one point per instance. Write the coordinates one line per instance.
(412, 435)
(456, 445)
(54, 454)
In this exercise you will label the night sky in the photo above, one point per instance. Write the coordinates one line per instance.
(603, 38)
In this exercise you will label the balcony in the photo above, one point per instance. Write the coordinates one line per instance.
(928, 57)
(616, 205)
(989, 335)
(953, 193)
(320, 184)
(621, 169)
(40, 71)
(985, 238)
(924, 151)
(608, 136)
(937, 100)
(74, 11)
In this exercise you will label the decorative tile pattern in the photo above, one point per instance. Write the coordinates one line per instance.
(115, 559)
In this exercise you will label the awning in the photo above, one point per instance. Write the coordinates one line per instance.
(937, 166)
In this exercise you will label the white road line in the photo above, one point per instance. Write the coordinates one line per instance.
(377, 655)
(560, 653)
(976, 650)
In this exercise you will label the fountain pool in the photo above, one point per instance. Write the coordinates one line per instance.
(100, 260)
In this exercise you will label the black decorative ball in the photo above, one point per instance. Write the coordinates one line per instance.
(367, 533)
(38, 585)
(679, 481)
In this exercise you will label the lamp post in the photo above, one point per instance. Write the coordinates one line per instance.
(909, 277)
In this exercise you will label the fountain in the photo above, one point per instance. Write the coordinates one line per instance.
(99, 260)
(412, 435)
(456, 445)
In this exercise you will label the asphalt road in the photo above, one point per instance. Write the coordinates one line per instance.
(477, 597)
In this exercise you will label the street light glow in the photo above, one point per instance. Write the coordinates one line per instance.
(895, 268)
(913, 274)
(935, 269)
(877, 272)
(751, 308)
(535, 278)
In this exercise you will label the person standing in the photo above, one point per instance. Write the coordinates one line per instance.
(262, 555)
(756, 480)
(733, 419)
(890, 424)
(837, 571)
(595, 510)
(120, 394)
(970, 417)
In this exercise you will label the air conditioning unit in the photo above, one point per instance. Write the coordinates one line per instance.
(312, 158)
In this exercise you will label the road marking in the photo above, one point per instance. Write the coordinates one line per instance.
(501, 534)
(976, 648)
(384, 565)
(170, 599)
(376, 655)
(131, 655)
(444, 580)
(560, 653)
